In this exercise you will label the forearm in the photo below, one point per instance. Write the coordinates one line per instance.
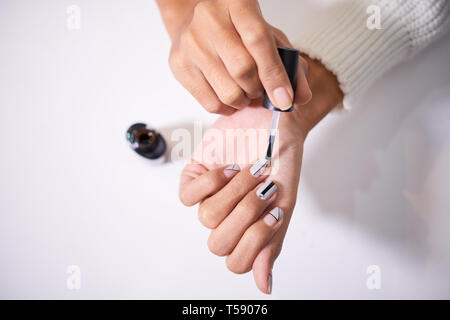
(175, 13)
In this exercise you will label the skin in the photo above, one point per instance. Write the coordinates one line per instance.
(225, 54)
(229, 205)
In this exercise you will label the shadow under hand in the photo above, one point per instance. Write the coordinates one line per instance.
(380, 150)
(182, 139)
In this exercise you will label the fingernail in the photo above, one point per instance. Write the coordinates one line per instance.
(283, 99)
(259, 167)
(269, 284)
(231, 170)
(266, 190)
(277, 213)
(270, 220)
(273, 216)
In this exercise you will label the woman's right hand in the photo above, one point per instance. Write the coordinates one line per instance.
(226, 55)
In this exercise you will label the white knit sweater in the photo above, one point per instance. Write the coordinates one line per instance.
(358, 55)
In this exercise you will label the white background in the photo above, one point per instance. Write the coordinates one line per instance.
(374, 189)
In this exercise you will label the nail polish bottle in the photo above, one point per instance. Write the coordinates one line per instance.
(146, 142)
(289, 57)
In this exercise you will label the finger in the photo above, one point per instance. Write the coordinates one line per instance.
(226, 89)
(215, 208)
(261, 45)
(263, 264)
(194, 81)
(239, 63)
(281, 39)
(197, 182)
(253, 241)
(303, 93)
(223, 240)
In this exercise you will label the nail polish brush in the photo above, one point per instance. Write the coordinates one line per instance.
(273, 133)
(258, 168)
(289, 57)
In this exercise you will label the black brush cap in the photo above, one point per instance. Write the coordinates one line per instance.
(289, 57)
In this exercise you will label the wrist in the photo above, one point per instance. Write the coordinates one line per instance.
(326, 95)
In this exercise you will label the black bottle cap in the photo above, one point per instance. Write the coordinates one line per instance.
(145, 141)
(289, 57)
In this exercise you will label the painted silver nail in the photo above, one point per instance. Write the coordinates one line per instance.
(277, 213)
(269, 284)
(259, 167)
(234, 167)
(267, 190)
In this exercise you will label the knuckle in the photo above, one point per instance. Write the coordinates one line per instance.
(190, 40)
(244, 69)
(257, 35)
(206, 215)
(213, 183)
(175, 62)
(180, 67)
(184, 198)
(208, 101)
(248, 208)
(203, 9)
(216, 245)
(237, 265)
(214, 107)
(196, 91)
(255, 235)
(232, 97)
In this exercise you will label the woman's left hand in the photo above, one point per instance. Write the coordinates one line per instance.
(244, 226)
(241, 226)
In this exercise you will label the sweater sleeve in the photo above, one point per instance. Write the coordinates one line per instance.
(342, 40)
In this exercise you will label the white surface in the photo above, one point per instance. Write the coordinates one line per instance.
(374, 190)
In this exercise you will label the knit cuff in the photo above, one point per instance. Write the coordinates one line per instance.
(341, 39)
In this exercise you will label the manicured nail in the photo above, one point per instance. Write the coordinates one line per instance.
(269, 284)
(273, 216)
(270, 220)
(259, 167)
(277, 213)
(231, 170)
(267, 190)
(283, 99)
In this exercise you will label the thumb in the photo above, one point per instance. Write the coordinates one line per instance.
(263, 265)
(303, 92)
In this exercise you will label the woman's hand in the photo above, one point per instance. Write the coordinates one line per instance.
(231, 206)
(246, 227)
(225, 54)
